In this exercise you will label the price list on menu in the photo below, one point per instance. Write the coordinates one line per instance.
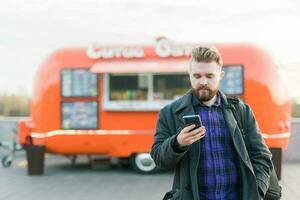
(232, 82)
(79, 83)
(79, 115)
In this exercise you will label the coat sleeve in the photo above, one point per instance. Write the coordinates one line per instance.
(162, 151)
(260, 156)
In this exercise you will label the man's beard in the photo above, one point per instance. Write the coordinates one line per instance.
(204, 93)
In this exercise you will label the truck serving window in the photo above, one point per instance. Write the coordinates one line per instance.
(142, 92)
(170, 86)
(232, 83)
(79, 115)
(78, 83)
(128, 87)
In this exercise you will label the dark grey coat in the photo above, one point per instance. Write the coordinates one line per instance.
(254, 165)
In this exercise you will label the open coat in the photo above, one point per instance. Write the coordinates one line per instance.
(255, 163)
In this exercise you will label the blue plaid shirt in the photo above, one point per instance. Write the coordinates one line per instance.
(218, 176)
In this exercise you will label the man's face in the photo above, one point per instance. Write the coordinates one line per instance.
(205, 79)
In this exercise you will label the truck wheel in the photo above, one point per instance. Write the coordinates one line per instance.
(277, 160)
(143, 163)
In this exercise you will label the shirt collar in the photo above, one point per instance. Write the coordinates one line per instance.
(196, 102)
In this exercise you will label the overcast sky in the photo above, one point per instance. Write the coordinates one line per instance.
(29, 32)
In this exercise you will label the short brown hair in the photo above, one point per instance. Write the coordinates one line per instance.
(206, 54)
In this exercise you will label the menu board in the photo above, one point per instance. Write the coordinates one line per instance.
(80, 115)
(79, 83)
(232, 82)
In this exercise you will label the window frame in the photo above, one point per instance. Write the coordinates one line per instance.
(135, 105)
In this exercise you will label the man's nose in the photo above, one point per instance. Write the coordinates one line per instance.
(202, 81)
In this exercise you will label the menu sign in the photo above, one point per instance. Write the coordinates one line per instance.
(79, 115)
(78, 83)
(232, 82)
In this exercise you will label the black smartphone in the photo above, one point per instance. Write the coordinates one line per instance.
(192, 119)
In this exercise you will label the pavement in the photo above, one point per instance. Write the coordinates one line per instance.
(61, 180)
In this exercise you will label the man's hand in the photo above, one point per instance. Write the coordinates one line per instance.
(187, 137)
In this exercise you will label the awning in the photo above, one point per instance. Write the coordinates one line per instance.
(140, 66)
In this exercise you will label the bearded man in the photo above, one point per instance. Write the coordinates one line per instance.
(211, 162)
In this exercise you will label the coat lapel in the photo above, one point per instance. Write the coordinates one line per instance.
(186, 108)
(236, 135)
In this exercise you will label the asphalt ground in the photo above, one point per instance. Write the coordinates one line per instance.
(82, 181)
(61, 180)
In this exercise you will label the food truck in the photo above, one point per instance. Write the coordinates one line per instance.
(104, 100)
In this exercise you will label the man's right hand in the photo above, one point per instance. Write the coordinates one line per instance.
(187, 137)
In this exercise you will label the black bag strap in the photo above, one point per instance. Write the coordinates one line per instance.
(274, 190)
(235, 102)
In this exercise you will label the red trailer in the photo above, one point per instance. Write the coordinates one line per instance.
(105, 100)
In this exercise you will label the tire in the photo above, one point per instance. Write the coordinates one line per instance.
(6, 161)
(143, 163)
(277, 160)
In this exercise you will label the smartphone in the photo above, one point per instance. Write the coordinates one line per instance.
(192, 119)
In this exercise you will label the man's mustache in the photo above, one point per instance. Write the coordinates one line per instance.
(203, 87)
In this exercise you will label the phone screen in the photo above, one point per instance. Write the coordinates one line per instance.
(192, 119)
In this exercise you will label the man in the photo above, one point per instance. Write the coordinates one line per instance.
(211, 162)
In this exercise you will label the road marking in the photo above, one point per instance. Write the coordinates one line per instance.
(22, 163)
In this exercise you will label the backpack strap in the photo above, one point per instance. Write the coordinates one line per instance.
(236, 108)
(274, 190)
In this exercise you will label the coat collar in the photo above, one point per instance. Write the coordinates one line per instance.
(186, 101)
(184, 106)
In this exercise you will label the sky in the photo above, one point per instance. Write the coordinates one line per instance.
(30, 31)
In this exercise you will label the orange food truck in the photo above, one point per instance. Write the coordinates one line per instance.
(105, 100)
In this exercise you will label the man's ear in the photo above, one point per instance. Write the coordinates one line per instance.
(222, 74)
